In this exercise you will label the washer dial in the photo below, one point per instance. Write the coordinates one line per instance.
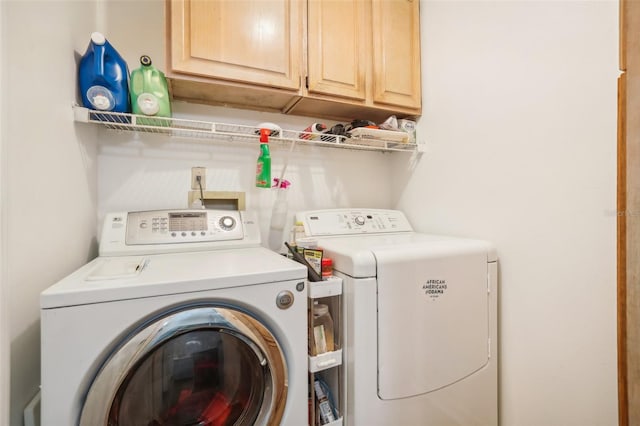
(227, 223)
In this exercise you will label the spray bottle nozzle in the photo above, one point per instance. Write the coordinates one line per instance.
(264, 135)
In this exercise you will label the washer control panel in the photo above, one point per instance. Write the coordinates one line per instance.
(176, 231)
(182, 226)
(353, 221)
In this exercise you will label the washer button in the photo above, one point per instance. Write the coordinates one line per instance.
(284, 300)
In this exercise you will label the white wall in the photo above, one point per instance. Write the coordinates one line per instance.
(520, 120)
(139, 172)
(49, 207)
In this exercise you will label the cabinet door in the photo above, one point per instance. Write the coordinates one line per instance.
(337, 48)
(396, 52)
(253, 41)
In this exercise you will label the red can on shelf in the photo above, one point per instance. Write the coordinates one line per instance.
(327, 267)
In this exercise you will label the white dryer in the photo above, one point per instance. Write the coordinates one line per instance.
(420, 338)
(183, 319)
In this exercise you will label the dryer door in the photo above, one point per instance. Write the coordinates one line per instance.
(433, 316)
(208, 366)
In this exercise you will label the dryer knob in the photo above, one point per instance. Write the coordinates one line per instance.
(227, 223)
(359, 220)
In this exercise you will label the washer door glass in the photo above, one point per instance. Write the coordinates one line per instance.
(208, 366)
(199, 378)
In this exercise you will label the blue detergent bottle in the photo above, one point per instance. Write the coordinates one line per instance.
(103, 77)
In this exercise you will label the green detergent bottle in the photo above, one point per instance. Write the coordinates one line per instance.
(149, 93)
(263, 167)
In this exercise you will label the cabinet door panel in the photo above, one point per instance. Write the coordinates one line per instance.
(396, 52)
(255, 41)
(337, 48)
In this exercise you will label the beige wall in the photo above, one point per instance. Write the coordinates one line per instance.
(4, 305)
(520, 122)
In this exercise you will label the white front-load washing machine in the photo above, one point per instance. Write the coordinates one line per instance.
(183, 319)
(420, 336)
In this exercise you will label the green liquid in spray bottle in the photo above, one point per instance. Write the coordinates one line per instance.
(263, 168)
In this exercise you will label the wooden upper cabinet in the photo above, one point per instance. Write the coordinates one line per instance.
(249, 41)
(396, 52)
(339, 59)
(337, 48)
(368, 51)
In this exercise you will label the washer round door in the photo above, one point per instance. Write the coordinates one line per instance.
(209, 366)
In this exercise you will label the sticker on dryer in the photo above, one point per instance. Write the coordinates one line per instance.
(434, 288)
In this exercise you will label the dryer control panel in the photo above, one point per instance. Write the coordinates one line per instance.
(161, 231)
(353, 222)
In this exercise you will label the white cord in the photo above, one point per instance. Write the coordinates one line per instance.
(286, 163)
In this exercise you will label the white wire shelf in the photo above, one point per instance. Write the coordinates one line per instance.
(178, 127)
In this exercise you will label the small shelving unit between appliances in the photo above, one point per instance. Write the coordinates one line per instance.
(363, 139)
(326, 378)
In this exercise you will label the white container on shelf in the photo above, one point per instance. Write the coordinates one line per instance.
(321, 334)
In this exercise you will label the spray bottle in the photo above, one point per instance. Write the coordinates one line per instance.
(263, 168)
